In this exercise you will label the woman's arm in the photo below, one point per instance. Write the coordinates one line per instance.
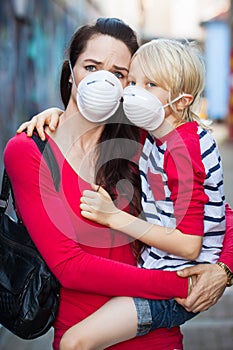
(46, 216)
(48, 117)
(226, 255)
(98, 207)
(209, 286)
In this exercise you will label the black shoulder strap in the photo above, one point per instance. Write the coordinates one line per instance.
(48, 155)
(5, 192)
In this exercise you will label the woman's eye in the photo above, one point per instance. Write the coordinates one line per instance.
(131, 83)
(90, 68)
(119, 75)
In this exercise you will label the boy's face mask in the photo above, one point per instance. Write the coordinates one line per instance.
(98, 95)
(143, 108)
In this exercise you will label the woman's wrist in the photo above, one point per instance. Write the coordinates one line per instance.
(228, 273)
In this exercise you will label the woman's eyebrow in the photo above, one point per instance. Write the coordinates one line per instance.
(121, 68)
(92, 60)
(99, 62)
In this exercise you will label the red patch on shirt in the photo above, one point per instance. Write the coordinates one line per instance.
(156, 184)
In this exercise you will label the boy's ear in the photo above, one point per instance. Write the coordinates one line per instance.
(184, 102)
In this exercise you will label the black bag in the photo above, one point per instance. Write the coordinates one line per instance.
(29, 292)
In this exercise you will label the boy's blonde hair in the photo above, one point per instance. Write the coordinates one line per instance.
(176, 67)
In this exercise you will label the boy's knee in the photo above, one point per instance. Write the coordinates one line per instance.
(69, 343)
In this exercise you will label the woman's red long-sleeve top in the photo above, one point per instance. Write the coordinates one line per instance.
(226, 255)
(91, 262)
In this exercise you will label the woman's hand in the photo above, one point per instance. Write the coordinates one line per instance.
(210, 283)
(48, 117)
(98, 206)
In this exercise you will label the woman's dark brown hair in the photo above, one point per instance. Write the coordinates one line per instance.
(114, 158)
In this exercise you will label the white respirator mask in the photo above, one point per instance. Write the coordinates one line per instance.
(98, 95)
(143, 108)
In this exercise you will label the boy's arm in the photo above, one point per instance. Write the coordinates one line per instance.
(97, 206)
(48, 117)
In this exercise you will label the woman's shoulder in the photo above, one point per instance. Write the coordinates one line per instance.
(20, 146)
(19, 140)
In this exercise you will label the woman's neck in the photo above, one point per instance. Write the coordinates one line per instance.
(74, 129)
(77, 139)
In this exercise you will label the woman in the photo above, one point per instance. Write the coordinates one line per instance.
(89, 265)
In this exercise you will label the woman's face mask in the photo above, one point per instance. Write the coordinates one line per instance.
(98, 95)
(143, 108)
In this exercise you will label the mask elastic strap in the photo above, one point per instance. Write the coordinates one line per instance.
(175, 99)
(72, 73)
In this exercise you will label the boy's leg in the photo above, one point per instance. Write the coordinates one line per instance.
(162, 314)
(168, 313)
(114, 322)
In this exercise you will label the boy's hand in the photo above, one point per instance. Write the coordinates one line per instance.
(48, 117)
(98, 206)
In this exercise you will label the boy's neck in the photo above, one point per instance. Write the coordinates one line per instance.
(165, 128)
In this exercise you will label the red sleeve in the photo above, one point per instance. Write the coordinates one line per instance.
(186, 175)
(226, 255)
(75, 269)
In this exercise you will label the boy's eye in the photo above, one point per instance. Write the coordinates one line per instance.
(90, 68)
(131, 83)
(119, 75)
(150, 84)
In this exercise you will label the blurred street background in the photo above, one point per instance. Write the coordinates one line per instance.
(33, 37)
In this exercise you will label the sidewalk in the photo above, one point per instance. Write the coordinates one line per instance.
(212, 329)
(9, 341)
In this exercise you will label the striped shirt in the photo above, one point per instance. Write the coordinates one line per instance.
(182, 187)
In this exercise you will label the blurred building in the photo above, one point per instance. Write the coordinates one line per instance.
(34, 35)
(169, 18)
(217, 53)
(33, 38)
